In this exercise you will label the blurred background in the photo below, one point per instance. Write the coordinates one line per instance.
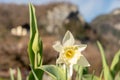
(88, 20)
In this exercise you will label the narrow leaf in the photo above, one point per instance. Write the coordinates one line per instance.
(115, 66)
(117, 77)
(11, 74)
(107, 74)
(19, 77)
(35, 43)
(79, 71)
(32, 34)
(36, 74)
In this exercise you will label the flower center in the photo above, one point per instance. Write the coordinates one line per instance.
(69, 52)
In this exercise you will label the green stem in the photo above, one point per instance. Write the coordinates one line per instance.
(66, 73)
(69, 72)
(79, 73)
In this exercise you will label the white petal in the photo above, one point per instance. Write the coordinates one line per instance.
(73, 61)
(58, 47)
(83, 61)
(68, 39)
(59, 61)
(75, 58)
(81, 47)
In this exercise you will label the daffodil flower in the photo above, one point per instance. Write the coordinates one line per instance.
(70, 54)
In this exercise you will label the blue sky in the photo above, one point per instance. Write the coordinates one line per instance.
(89, 9)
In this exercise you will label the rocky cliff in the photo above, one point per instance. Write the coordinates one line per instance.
(108, 26)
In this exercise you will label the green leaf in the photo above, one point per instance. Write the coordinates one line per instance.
(115, 66)
(32, 34)
(117, 77)
(101, 75)
(40, 53)
(35, 43)
(82, 73)
(106, 70)
(89, 77)
(79, 71)
(19, 77)
(55, 72)
(35, 74)
(11, 74)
